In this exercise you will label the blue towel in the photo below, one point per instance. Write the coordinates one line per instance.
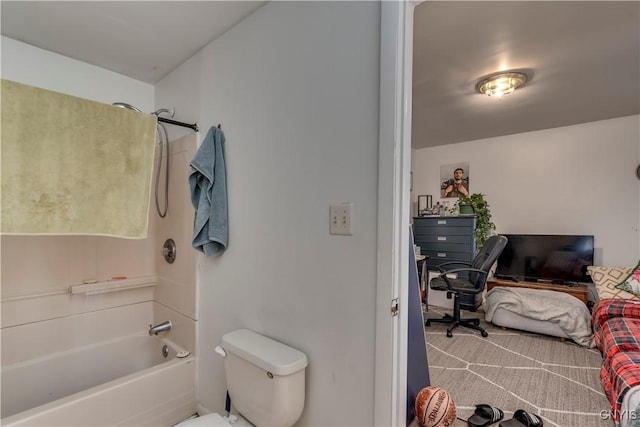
(208, 185)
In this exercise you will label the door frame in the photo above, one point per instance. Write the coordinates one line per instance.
(394, 210)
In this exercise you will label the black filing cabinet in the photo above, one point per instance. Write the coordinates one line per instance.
(448, 238)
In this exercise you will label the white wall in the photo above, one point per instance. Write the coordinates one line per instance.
(568, 180)
(30, 65)
(295, 87)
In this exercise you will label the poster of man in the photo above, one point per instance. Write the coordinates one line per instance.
(455, 180)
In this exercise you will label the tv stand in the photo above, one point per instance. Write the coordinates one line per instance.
(579, 291)
(506, 279)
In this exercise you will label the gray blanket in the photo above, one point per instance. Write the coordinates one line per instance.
(567, 311)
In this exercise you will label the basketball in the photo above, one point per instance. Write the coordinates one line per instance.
(435, 407)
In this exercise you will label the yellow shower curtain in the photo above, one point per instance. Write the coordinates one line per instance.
(73, 166)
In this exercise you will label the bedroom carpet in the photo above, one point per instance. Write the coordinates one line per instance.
(558, 380)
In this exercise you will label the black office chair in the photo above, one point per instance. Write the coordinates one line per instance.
(477, 271)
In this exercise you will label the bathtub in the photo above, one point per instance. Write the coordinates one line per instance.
(122, 381)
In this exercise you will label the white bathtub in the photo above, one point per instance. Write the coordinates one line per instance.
(123, 381)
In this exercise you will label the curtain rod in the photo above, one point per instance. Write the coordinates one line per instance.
(184, 125)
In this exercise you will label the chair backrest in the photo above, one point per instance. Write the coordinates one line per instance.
(485, 258)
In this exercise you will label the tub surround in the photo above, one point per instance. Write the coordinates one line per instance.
(39, 380)
(65, 333)
(48, 310)
(115, 285)
(183, 330)
(115, 338)
(177, 281)
(160, 395)
(59, 304)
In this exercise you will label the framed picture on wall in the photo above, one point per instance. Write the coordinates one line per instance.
(454, 180)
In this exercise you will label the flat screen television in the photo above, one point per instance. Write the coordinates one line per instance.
(546, 257)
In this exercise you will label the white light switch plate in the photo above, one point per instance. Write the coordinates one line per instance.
(340, 219)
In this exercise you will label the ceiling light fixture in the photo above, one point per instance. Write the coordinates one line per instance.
(501, 83)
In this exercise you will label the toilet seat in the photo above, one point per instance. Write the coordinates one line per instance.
(209, 420)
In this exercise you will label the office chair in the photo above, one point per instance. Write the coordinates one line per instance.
(477, 270)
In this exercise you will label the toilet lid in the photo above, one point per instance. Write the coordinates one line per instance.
(209, 420)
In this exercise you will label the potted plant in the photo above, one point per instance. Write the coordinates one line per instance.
(484, 225)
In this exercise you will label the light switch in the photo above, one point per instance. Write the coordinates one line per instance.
(340, 219)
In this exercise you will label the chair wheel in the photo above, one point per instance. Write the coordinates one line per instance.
(427, 323)
(484, 333)
(476, 322)
(450, 334)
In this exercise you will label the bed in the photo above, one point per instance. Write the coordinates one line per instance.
(540, 311)
(616, 325)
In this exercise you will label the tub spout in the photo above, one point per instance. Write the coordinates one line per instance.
(164, 326)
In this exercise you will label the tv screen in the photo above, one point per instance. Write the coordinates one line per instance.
(556, 258)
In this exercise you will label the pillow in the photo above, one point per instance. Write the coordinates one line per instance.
(631, 282)
(606, 279)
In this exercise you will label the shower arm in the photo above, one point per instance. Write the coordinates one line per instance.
(184, 125)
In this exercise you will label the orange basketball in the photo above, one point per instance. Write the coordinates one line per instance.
(435, 407)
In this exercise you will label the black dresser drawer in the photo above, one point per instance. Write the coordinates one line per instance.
(437, 239)
(442, 230)
(439, 257)
(447, 248)
(446, 239)
(445, 221)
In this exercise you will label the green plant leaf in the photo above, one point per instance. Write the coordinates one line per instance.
(484, 225)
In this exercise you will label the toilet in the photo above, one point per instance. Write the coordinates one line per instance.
(265, 380)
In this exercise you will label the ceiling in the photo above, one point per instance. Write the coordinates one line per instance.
(582, 58)
(144, 40)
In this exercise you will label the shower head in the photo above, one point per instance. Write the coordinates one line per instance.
(127, 106)
(171, 112)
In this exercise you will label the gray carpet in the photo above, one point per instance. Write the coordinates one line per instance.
(558, 380)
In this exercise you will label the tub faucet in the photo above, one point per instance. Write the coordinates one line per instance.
(164, 326)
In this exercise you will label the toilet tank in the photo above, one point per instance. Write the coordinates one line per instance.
(265, 378)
